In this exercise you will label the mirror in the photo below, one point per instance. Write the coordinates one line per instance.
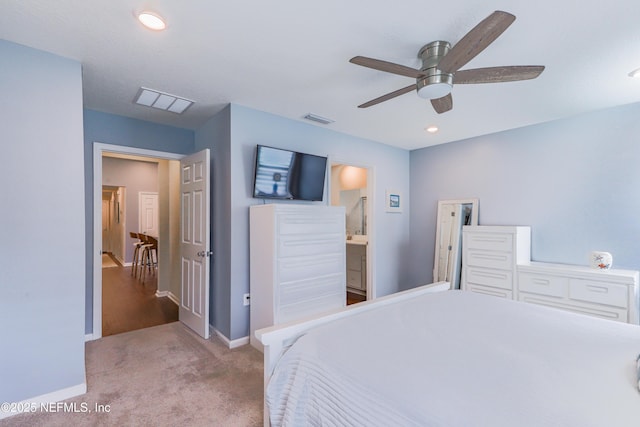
(451, 217)
(355, 203)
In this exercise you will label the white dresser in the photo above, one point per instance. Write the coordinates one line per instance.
(610, 294)
(490, 255)
(497, 261)
(297, 263)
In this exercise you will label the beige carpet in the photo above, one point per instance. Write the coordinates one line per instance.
(164, 376)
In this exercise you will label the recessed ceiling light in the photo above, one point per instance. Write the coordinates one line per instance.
(152, 21)
(635, 73)
(431, 128)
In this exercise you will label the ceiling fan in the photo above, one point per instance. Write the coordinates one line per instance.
(441, 65)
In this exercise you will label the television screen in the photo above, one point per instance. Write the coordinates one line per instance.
(285, 174)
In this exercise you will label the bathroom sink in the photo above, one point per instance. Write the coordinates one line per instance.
(357, 239)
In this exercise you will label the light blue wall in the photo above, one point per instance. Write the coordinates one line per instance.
(118, 130)
(250, 127)
(216, 135)
(574, 181)
(42, 235)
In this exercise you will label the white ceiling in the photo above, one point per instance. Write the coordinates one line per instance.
(290, 57)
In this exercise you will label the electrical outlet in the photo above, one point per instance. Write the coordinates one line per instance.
(246, 299)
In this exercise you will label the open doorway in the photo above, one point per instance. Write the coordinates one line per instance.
(351, 188)
(168, 272)
(132, 293)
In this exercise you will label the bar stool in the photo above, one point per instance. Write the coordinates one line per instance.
(141, 255)
(136, 252)
(149, 255)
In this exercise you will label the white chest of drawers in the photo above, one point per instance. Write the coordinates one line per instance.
(490, 255)
(610, 294)
(297, 263)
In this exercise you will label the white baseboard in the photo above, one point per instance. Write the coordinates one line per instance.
(45, 399)
(239, 342)
(169, 294)
(88, 337)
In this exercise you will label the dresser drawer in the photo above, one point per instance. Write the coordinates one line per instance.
(599, 292)
(597, 310)
(299, 291)
(295, 307)
(309, 267)
(495, 278)
(501, 260)
(299, 245)
(489, 241)
(544, 285)
(488, 290)
(311, 224)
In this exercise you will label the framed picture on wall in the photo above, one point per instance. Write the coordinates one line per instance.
(394, 201)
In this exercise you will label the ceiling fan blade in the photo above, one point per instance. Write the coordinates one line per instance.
(388, 96)
(475, 41)
(389, 67)
(498, 74)
(442, 105)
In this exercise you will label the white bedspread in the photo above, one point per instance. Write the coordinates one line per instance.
(460, 359)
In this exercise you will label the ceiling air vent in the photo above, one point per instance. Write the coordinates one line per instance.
(317, 119)
(162, 101)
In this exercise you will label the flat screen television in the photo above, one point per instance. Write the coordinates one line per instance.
(286, 174)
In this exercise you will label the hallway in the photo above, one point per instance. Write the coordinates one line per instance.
(129, 304)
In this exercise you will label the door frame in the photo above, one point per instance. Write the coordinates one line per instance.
(371, 219)
(108, 224)
(98, 149)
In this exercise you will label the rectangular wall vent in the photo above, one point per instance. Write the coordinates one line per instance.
(317, 119)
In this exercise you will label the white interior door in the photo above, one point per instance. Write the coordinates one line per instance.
(148, 213)
(195, 242)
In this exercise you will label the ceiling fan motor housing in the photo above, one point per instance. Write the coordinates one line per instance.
(435, 83)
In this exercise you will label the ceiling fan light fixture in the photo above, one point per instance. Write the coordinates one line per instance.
(635, 73)
(435, 83)
(152, 21)
(435, 86)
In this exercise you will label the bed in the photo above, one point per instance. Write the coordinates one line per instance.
(454, 358)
